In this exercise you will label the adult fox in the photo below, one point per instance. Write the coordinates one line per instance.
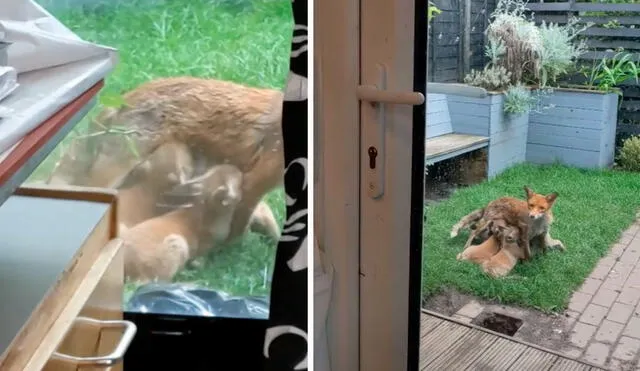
(532, 216)
(220, 121)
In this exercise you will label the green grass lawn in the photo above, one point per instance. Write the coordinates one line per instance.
(591, 212)
(236, 40)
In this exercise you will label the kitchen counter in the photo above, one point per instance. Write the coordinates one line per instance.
(38, 244)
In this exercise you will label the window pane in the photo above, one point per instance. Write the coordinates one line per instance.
(187, 128)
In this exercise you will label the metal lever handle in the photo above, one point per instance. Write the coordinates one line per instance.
(372, 93)
(374, 156)
(102, 361)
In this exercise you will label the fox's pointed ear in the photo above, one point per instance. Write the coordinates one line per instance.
(528, 191)
(551, 197)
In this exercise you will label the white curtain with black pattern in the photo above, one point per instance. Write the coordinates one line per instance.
(285, 345)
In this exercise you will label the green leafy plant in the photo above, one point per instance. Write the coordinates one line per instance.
(432, 11)
(494, 50)
(629, 156)
(518, 100)
(608, 74)
(612, 24)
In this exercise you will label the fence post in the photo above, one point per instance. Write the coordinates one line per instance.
(464, 64)
(571, 12)
(431, 61)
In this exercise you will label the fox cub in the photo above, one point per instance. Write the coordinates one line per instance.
(500, 253)
(158, 248)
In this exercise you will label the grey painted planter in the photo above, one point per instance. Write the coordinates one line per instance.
(485, 116)
(4, 56)
(579, 130)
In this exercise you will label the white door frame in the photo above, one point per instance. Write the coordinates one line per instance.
(337, 130)
(369, 242)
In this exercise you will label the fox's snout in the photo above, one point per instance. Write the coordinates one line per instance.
(535, 214)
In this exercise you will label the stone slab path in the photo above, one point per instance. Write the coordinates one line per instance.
(604, 314)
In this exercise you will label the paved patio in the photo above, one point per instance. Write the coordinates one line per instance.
(604, 314)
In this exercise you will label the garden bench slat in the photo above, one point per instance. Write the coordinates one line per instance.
(451, 145)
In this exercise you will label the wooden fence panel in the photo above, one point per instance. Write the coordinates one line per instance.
(446, 35)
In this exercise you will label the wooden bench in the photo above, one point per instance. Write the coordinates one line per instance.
(443, 141)
(462, 118)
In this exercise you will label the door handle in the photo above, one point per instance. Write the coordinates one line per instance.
(373, 94)
(373, 137)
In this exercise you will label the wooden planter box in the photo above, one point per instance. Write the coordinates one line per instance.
(579, 130)
(485, 116)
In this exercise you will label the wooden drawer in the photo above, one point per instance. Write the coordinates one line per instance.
(81, 330)
(72, 233)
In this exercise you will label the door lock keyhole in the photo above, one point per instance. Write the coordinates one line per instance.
(373, 153)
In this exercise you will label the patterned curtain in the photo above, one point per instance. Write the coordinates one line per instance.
(285, 346)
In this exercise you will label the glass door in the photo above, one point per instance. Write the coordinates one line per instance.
(392, 131)
(515, 113)
(529, 205)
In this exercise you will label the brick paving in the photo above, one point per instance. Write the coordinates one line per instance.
(604, 314)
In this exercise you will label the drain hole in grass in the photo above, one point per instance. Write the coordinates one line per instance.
(499, 323)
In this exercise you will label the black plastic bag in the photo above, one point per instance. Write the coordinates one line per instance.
(190, 300)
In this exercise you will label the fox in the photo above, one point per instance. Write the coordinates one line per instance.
(167, 167)
(158, 248)
(503, 262)
(85, 163)
(145, 183)
(501, 208)
(263, 221)
(220, 121)
(533, 217)
(482, 252)
(500, 253)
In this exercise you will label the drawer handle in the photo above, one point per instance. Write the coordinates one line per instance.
(108, 360)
